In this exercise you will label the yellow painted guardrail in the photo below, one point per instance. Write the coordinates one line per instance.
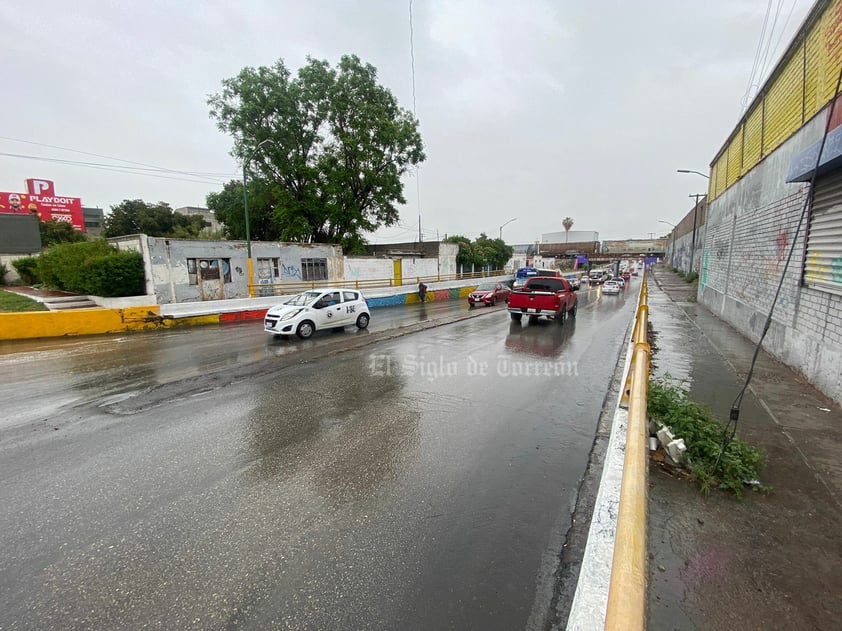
(626, 610)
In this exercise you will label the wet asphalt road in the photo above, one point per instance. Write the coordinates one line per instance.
(424, 482)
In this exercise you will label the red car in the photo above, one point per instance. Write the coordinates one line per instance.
(489, 294)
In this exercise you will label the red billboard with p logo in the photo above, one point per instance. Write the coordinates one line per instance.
(41, 200)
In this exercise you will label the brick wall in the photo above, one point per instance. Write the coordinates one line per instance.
(748, 233)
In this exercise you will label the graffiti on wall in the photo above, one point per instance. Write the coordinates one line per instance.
(290, 271)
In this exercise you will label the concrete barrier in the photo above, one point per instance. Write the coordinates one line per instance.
(77, 322)
(125, 314)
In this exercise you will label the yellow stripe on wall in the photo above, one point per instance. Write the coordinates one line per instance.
(802, 86)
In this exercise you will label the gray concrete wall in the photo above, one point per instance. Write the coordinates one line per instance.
(447, 258)
(748, 233)
(168, 278)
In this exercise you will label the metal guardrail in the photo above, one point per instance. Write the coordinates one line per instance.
(283, 289)
(626, 610)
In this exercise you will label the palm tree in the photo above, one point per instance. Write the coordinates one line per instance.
(567, 223)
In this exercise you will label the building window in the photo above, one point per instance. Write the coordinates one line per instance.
(269, 268)
(208, 269)
(313, 269)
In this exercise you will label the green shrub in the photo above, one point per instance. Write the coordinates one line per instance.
(26, 269)
(116, 275)
(692, 277)
(702, 434)
(92, 267)
(3, 271)
(62, 266)
(681, 273)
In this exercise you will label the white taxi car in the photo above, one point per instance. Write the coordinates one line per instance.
(312, 311)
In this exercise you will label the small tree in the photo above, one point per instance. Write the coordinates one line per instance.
(567, 223)
(483, 252)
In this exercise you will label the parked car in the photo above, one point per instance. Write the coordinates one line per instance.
(489, 294)
(610, 287)
(312, 311)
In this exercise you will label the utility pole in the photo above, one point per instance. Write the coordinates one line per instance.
(697, 196)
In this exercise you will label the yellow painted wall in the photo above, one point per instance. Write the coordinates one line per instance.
(82, 322)
(802, 87)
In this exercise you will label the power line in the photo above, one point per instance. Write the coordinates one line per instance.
(762, 66)
(97, 155)
(115, 168)
(780, 36)
(415, 115)
(757, 54)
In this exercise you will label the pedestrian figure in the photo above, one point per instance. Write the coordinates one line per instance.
(422, 292)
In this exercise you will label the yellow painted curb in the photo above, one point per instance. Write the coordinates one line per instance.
(20, 326)
(191, 320)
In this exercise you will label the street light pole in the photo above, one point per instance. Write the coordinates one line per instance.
(249, 264)
(672, 234)
(695, 214)
(691, 171)
(504, 225)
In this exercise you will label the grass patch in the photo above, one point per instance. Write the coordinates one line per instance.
(691, 277)
(12, 302)
(702, 433)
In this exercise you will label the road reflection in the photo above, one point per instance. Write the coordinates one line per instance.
(543, 338)
(346, 430)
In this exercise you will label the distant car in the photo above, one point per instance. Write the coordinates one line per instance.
(619, 280)
(524, 273)
(489, 294)
(574, 281)
(610, 287)
(626, 276)
(312, 311)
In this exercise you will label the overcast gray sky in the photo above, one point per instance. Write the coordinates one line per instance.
(534, 109)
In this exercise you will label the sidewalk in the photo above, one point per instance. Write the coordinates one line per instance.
(768, 562)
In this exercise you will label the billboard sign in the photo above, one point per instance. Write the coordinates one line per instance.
(40, 200)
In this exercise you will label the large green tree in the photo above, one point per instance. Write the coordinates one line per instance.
(228, 208)
(482, 252)
(328, 147)
(134, 216)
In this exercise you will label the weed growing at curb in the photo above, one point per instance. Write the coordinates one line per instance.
(669, 404)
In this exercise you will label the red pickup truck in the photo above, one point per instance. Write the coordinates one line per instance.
(543, 296)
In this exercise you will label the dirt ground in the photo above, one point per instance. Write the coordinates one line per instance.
(770, 561)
